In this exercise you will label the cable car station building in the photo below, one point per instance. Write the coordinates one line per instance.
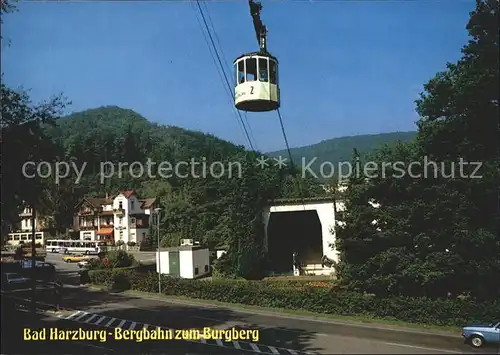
(312, 236)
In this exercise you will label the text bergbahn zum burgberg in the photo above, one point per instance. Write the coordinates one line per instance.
(140, 335)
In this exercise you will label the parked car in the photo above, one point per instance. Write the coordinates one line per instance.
(12, 279)
(26, 264)
(75, 258)
(83, 264)
(479, 334)
(44, 270)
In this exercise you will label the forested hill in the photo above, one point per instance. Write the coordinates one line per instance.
(117, 134)
(341, 149)
(114, 134)
(213, 210)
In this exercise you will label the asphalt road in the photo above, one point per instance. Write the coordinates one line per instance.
(276, 335)
(68, 272)
(13, 341)
(57, 259)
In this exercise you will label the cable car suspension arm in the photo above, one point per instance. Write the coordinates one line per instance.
(260, 28)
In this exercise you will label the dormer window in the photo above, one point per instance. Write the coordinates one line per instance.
(132, 205)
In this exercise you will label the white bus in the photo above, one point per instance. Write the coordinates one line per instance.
(75, 246)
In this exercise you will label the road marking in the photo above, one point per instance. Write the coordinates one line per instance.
(255, 348)
(73, 315)
(424, 348)
(273, 349)
(90, 318)
(109, 323)
(218, 342)
(100, 320)
(80, 316)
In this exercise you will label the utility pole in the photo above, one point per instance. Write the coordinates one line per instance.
(33, 259)
(157, 212)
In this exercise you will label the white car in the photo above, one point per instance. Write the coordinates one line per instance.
(82, 264)
(12, 279)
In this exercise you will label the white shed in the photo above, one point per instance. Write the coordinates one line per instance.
(188, 261)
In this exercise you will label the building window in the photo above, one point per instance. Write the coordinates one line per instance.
(196, 271)
(132, 205)
(132, 220)
(143, 236)
(120, 205)
(120, 220)
(121, 234)
(206, 268)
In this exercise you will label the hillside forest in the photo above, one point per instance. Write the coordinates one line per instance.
(435, 236)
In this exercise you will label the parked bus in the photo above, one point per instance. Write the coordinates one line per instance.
(75, 246)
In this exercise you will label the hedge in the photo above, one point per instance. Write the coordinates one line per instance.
(315, 297)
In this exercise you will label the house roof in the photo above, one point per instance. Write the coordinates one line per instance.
(99, 201)
(128, 193)
(95, 201)
(147, 202)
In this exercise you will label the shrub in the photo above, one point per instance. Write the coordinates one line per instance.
(320, 297)
(131, 244)
(119, 281)
(115, 259)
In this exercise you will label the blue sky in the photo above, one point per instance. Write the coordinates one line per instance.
(346, 67)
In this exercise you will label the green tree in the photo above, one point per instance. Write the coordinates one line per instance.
(23, 141)
(436, 235)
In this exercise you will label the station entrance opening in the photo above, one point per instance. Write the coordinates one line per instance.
(294, 231)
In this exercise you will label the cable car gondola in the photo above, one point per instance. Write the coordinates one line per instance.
(256, 73)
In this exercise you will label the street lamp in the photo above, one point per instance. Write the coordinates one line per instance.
(157, 212)
(33, 258)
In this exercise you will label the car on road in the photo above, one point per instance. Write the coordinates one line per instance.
(44, 270)
(75, 258)
(480, 334)
(83, 264)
